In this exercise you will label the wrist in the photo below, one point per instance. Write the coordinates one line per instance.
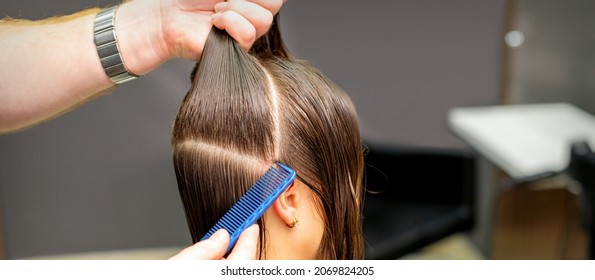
(139, 42)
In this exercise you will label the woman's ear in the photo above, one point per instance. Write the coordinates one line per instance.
(289, 202)
(295, 226)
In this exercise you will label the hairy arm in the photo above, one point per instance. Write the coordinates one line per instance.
(50, 66)
(47, 67)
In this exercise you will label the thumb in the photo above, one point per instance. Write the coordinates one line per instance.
(212, 248)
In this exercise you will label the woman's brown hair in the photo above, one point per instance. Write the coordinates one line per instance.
(245, 111)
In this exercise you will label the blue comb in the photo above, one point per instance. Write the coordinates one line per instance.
(254, 203)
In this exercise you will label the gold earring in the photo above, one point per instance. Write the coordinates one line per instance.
(294, 222)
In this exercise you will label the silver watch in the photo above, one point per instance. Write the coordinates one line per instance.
(106, 42)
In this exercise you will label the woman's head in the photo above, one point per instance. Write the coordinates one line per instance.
(246, 111)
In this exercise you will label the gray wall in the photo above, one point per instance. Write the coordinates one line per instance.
(556, 63)
(100, 177)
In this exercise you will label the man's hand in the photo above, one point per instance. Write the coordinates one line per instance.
(214, 248)
(153, 31)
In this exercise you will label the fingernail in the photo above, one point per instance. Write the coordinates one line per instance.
(220, 235)
(220, 6)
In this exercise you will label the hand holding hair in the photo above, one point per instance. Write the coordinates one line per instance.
(55, 65)
(180, 28)
(214, 247)
(245, 21)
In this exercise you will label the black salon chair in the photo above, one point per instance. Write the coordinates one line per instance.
(414, 197)
(582, 170)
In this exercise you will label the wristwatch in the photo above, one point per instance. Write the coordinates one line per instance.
(106, 42)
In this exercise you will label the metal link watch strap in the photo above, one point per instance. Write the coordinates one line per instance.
(106, 42)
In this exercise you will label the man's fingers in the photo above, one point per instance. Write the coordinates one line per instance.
(237, 27)
(272, 5)
(258, 16)
(214, 248)
(247, 245)
(211, 249)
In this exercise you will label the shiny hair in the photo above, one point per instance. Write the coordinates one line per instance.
(245, 111)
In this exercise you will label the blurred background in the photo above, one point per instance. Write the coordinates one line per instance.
(99, 182)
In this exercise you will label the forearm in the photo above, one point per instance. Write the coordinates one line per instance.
(52, 65)
(47, 68)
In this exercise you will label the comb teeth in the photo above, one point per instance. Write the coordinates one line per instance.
(254, 203)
